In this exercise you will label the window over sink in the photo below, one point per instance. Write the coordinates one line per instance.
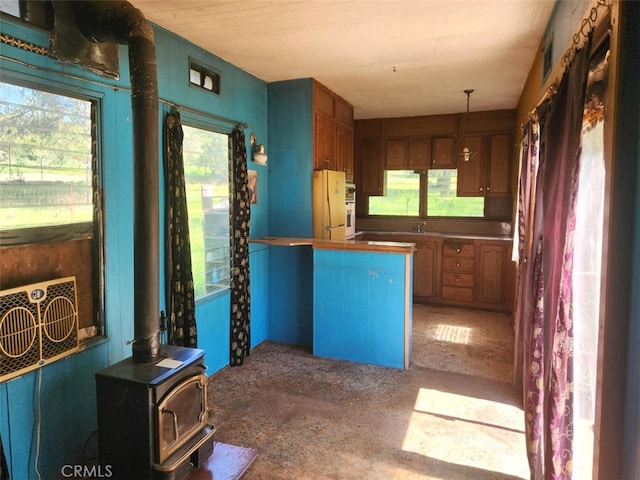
(431, 193)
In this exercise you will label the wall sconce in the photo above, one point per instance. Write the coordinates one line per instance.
(257, 151)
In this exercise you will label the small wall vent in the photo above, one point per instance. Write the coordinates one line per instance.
(38, 325)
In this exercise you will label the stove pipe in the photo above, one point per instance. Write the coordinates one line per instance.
(120, 22)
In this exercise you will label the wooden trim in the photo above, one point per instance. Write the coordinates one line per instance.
(620, 147)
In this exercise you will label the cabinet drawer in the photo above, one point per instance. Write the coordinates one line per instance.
(457, 279)
(458, 249)
(457, 264)
(458, 294)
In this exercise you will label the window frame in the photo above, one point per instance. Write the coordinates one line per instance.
(423, 207)
(77, 230)
(94, 230)
(193, 120)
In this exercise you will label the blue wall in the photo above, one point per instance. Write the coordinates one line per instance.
(359, 308)
(62, 394)
(290, 210)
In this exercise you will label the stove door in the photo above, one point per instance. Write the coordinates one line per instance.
(181, 414)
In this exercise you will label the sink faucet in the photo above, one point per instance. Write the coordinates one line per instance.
(421, 226)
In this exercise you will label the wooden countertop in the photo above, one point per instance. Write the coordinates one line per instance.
(357, 245)
(416, 236)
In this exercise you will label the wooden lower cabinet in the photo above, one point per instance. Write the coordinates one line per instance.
(476, 273)
(425, 269)
(495, 274)
(464, 272)
(458, 265)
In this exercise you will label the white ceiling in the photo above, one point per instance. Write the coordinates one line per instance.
(388, 58)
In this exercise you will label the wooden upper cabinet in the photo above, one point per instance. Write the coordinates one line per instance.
(344, 144)
(443, 152)
(333, 132)
(471, 172)
(408, 154)
(372, 166)
(498, 176)
(396, 154)
(343, 112)
(325, 143)
(419, 153)
(323, 100)
(488, 170)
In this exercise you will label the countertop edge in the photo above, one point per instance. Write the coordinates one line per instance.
(354, 245)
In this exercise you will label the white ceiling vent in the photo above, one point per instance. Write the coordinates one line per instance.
(38, 325)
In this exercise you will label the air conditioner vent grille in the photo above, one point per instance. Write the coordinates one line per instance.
(38, 325)
(18, 332)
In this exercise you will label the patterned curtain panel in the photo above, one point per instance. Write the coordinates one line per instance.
(545, 294)
(241, 214)
(180, 298)
(563, 146)
(4, 470)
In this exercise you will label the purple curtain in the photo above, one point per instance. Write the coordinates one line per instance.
(179, 295)
(241, 216)
(523, 254)
(545, 287)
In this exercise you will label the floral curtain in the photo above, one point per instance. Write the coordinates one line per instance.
(563, 132)
(240, 220)
(544, 310)
(179, 295)
(4, 470)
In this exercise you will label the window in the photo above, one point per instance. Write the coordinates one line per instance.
(442, 200)
(206, 165)
(50, 195)
(435, 189)
(46, 171)
(403, 195)
(204, 78)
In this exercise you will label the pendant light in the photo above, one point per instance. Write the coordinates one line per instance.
(466, 153)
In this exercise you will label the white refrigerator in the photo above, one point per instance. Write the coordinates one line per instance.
(329, 212)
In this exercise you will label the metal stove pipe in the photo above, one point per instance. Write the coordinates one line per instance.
(120, 22)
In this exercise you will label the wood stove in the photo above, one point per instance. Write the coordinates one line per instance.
(152, 417)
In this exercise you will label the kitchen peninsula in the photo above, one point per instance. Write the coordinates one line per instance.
(362, 298)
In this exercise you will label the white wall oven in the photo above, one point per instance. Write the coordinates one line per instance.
(350, 212)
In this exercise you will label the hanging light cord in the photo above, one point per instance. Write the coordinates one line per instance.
(468, 91)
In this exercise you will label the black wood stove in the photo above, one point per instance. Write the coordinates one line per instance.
(152, 407)
(152, 417)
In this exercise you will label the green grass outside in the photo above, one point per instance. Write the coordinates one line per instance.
(403, 196)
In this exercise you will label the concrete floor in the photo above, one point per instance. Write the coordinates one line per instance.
(452, 415)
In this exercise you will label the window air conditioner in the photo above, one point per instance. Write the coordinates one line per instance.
(38, 325)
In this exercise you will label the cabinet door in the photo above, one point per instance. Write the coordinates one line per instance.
(372, 166)
(471, 170)
(499, 169)
(324, 143)
(344, 154)
(492, 274)
(443, 153)
(425, 271)
(396, 158)
(419, 153)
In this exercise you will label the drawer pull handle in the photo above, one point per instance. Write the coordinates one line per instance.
(457, 264)
(457, 279)
(458, 250)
